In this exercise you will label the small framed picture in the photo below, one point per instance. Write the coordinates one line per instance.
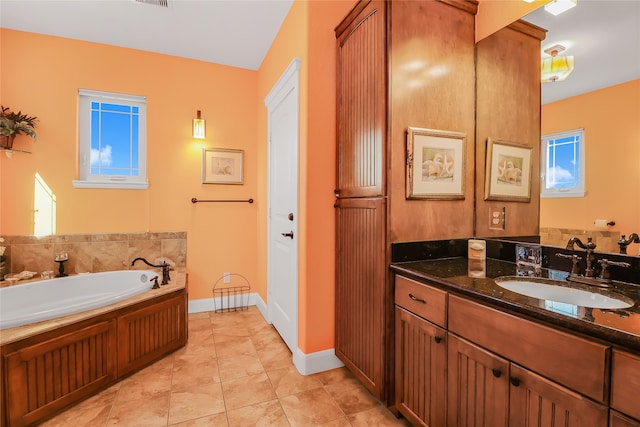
(435, 164)
(222, 166)
(508, 173)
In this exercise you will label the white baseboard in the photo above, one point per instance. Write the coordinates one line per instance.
(210, 304)
(306, 364)
(313, 363)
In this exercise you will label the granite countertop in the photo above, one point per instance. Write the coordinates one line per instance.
(20, 332)
(620, 327)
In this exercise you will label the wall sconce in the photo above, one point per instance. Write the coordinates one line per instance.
(198, 126)
(556, 7)
(556, 68)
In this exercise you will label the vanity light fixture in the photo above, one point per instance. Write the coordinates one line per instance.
(556, 7)
(198, 126)
(556, 68)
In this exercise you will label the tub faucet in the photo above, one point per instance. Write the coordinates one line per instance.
(164, 266)
(623, 243)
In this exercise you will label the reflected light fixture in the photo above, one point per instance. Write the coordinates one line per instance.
(198, 126)
(556, 7)
(556, 68)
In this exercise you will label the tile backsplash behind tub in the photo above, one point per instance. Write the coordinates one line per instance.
(91, 253)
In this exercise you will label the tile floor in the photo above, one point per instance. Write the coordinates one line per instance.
(235, 371)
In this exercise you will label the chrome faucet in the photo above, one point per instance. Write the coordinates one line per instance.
(164, 266)
(589, 247)
(623, 243)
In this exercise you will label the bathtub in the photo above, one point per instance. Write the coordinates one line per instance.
(49, 365)
(22, 304)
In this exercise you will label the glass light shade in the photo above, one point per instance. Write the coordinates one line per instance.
(198, 127)
(556, 68)
(556, 7)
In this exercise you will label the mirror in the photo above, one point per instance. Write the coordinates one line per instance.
(601, 96)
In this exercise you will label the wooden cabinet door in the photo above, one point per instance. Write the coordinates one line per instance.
(477, 386)
(536, 401)
(421, 360)
(361, 103)
(361, 294)
(625, 383)
(619, 420)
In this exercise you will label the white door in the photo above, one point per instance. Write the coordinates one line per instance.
(282, 257)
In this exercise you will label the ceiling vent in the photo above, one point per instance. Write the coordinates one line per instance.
(160, 3)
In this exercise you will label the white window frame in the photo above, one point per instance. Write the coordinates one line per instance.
(577, 191)
(89, 180)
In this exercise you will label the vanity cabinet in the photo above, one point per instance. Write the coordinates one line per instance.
(625, 389)
(550, 377)
(420, 353)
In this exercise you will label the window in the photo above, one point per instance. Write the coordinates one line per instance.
(563, 164)
(112, 140)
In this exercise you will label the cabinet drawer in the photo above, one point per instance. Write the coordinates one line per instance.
(424, 300)
(575, 362)
(625, 383)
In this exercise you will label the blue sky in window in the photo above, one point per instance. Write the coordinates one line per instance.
(114, 139)
(562, 162)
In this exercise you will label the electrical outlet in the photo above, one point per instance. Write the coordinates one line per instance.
(497, 218)
(226, 277)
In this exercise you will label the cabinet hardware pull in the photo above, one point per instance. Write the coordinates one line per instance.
(438, 339)
(496, 372)
(417, 299)
(515, 382)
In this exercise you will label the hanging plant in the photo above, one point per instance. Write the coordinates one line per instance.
(13, 124)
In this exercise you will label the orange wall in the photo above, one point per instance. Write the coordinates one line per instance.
(612, 133)
(41, 75)
(307, 33)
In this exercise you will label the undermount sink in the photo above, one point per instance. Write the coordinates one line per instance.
(558, 291)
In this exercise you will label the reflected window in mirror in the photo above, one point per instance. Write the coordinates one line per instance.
(562, 164)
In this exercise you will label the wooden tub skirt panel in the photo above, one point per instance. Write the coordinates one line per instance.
(45, 373)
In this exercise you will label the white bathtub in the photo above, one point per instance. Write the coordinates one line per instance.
(48, 299)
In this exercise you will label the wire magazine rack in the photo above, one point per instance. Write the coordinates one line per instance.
(232, 296)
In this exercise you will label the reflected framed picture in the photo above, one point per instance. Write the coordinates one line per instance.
(508, 171)
(435, 164)
(222, 166)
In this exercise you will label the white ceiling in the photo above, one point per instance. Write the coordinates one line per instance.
(603, 35)
(230, 32)
(604, 38)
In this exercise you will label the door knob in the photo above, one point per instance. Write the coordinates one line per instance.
(290, 216)
(289, 234)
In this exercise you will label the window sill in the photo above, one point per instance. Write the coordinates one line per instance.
(111, 184)
(561, 194)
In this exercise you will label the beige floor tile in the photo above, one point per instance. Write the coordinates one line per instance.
(81, 416)
(247, 391)
(351, 396)
(146, 384)
(268, 339)
(277, 358)
(288, 381)
(340, 422)
(244, 365)
(217, 420)
(310, 408)
(234, 346)
(189, 371)
(378, 416)
(140, 413)
(230, 333)
(334, 375)
(265, 414)
(197, 402)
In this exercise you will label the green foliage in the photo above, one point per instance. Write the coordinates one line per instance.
(12, 123)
